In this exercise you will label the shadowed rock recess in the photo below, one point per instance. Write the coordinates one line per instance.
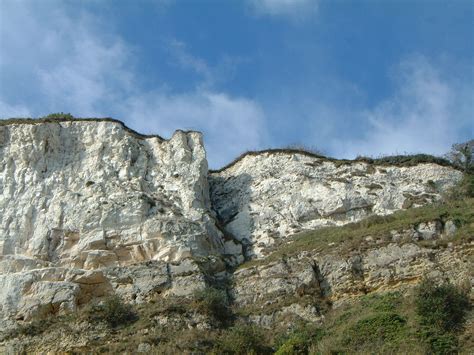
(90, 208)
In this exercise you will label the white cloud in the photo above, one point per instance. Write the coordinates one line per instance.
(67, 63)
(423, 116)
(293, 9)
(75, 62)
(230, 124)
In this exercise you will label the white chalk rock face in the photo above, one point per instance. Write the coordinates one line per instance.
(92, 194)
(87, 195)
(264, 197)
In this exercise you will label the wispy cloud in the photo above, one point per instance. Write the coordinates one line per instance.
(210, 76)
(187, 61)
(425, 114)
(81, 65)
(292, 9)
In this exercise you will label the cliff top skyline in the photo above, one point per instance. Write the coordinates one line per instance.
(363, 78)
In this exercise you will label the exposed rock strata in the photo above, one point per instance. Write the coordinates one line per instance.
(336, 277)
(262, 198)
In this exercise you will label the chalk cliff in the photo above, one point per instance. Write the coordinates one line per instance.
(265, 197)
(90, 208)
(78, 197)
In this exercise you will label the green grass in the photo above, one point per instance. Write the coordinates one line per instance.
(351, 236)
(383, 323)
(379, 323)
(442, 311)
(376, 324)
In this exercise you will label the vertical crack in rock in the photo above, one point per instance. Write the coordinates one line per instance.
(92, 195)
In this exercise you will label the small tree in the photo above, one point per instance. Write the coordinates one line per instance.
(462, 155)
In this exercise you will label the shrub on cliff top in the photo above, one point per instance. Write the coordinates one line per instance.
(462, 155)
(58, 115)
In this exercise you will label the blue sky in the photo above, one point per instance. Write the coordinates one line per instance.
(345, 77)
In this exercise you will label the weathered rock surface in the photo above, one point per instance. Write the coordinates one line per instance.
(337, 277)
(89, 208)
(78, 198)
(262, 198)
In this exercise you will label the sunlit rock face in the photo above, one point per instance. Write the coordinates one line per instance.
(89, 208)
(81, 196)
(338, 277)
(264, 197)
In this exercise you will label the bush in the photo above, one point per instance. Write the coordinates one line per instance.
(299, 340)
(242, 339)
(386, 327)
(442, 307)
(439, 342)
(212, 302)
(59, 115)
(34, 328)
(112, 311)
(442, 311)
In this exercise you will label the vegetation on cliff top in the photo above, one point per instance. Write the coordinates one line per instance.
(393, 160)
(66, 117)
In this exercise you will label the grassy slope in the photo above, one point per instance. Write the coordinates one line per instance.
(373, 324)
(378, 324)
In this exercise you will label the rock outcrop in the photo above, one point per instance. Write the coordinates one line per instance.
(80, 197)
(89, 208)
(262, 198)
(336, 276)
